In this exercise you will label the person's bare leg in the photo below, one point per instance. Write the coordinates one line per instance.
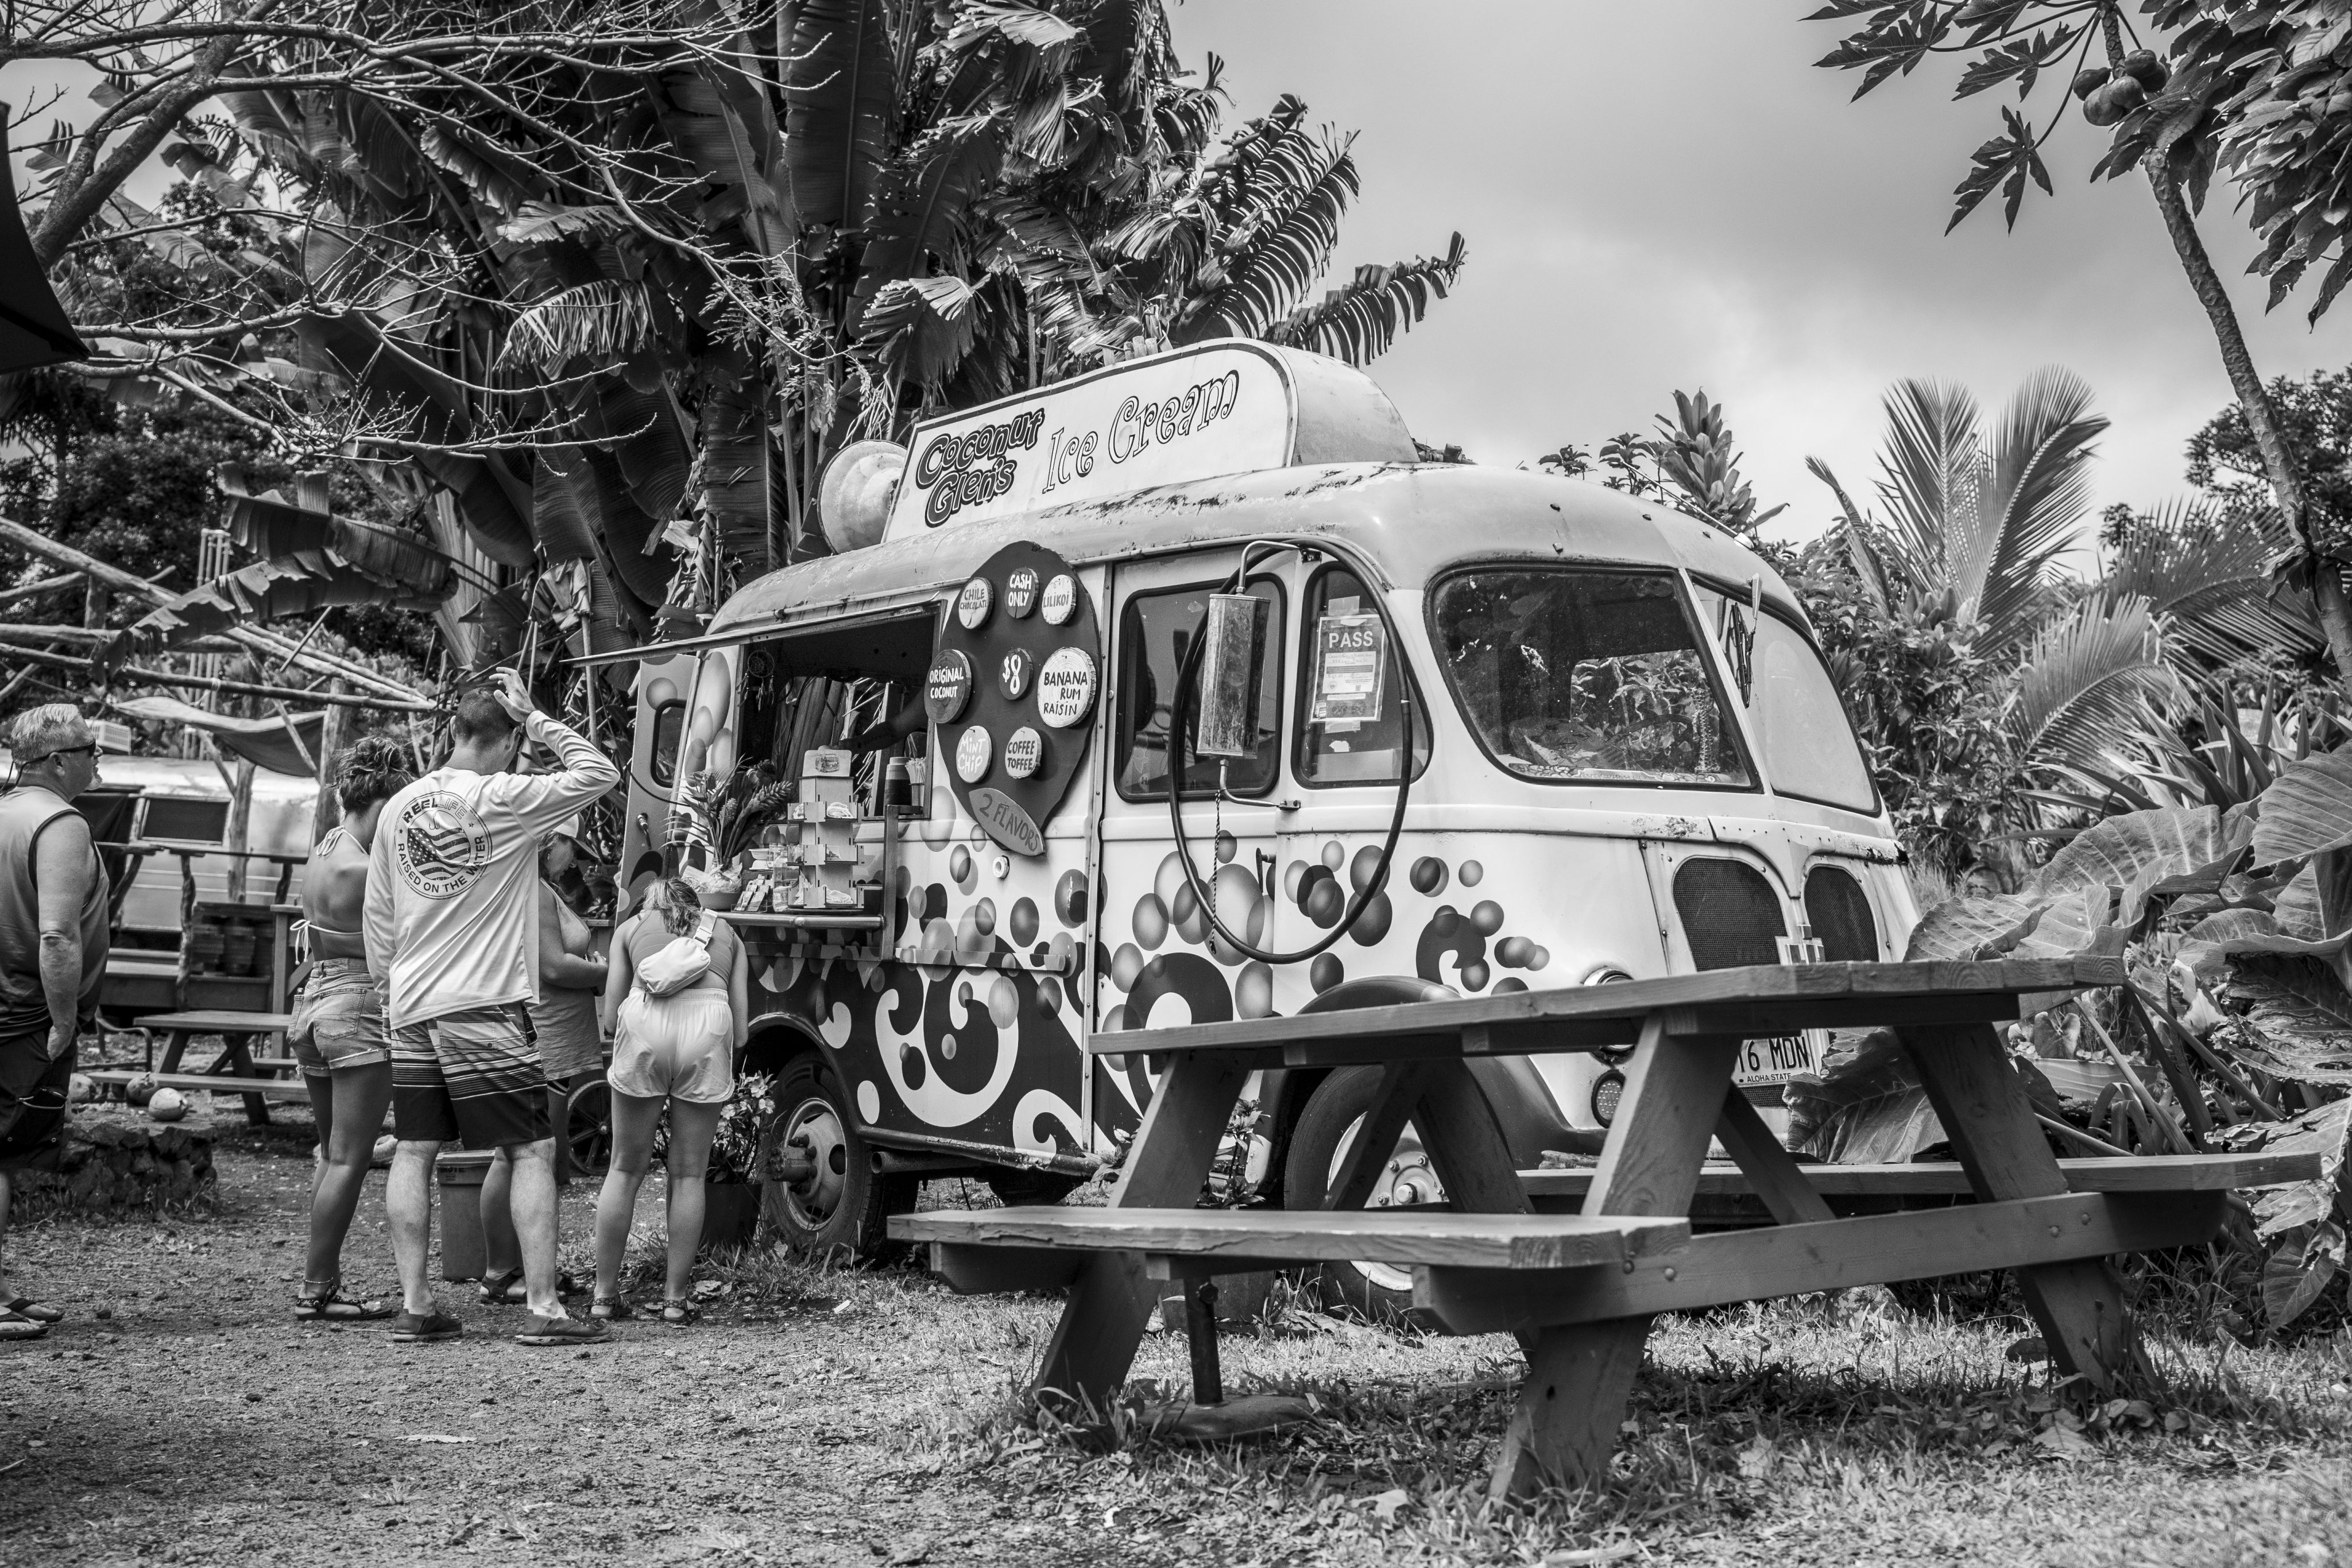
(501, 1252)
(8, 1196)
(409, 1201)
(356, 1100)
(532, 1203)
(635, 1119)
(321, 1091)
(691, 1129)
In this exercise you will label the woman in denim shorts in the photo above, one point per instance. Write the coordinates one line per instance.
(338, 1032)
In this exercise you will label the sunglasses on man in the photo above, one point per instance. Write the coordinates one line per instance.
(89, 746)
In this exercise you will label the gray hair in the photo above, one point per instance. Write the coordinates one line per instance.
(51, 727)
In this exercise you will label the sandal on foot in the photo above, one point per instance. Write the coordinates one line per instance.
(681, 1314)
(560, 1331)
(500, 1289)
(333, 1306)
(25, 1307)
(611, 1309)
(15, 1325)
(424, 1328)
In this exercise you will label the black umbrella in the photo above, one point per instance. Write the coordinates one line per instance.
(34, 330)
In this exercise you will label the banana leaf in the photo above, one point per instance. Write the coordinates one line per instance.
(2308, 810)
(736, 492)
(840, 97)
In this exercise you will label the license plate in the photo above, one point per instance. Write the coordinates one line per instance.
(1764, 1063)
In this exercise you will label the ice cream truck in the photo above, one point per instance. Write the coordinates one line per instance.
(1181, 692)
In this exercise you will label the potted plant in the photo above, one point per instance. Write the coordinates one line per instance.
(732, 1193)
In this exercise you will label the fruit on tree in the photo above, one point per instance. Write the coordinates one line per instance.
(2144, 67)
(2091, 81)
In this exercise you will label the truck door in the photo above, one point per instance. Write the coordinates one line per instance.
(1159, 962)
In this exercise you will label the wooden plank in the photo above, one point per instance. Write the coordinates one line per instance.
(1790, 1260)
(219, 1021)
(1775, 1177)
(1311, 1235)
(1983, 1105)
(1635, 999)
(211, 1084)
(1002, 1270)
(1376, 1135)
(1466, 1144)
(1578, 1377)
(1111, 1301)
(2140, 1173)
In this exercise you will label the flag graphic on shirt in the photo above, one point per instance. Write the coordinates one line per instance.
(440, 844)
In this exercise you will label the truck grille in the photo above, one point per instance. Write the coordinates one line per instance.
(1730, 914)
(1839, 912)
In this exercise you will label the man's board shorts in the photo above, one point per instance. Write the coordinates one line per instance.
(32, 1100)
(674, 1047)
(474, 1076)
(339, 1019)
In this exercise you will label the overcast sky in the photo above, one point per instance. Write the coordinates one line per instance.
(1664, 193)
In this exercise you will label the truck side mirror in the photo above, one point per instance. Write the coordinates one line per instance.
(1233, 653)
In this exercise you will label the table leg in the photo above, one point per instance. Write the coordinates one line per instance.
(174, 1051)
(1580, 1377)
(1778, 1180)
(1985, 1112)
(1110, 1302)
(236, 1058)
(1375, 1136)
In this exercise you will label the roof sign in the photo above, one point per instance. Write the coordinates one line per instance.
(1228, 407)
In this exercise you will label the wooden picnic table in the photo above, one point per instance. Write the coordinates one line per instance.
(238, 1031)
(1583, 1300)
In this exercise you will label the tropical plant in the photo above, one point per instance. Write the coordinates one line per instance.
(1693, 451)
(2251, 89)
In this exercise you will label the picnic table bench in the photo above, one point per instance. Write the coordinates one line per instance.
(1581, 1300)
(236, 1070)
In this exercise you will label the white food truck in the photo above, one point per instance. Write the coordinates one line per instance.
(1625, 760)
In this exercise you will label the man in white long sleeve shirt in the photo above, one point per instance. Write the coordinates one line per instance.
(452, 926)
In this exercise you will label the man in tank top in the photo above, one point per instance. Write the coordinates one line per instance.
(53, 942)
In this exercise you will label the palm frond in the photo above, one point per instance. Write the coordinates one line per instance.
(2083, 680)
(1289, 226)
(924, 195)
(600, 323)
(922, 329)
(1932, 470)
(2038, 494)
(2208, 573)
(1360, 322)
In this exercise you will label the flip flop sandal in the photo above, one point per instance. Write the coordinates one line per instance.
(336, 1307)
(424, 1328)
(25, 1307)
(681, 1314)
(500, 1290)
(611, 1309)
(560, 1331)
(15, 1325)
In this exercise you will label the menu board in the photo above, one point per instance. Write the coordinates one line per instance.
(1012, 683)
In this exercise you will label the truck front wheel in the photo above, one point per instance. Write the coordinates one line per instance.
(831, 1200)
(1319, 1144)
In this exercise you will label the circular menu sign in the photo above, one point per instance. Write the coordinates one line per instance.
(972, 604)
(1021, 593)
(1024, 751)
(947, 689)
(1066, 687)
(1060, 599)
(972, 755)
(1013, 673)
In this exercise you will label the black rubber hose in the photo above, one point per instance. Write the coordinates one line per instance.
(1188, 671)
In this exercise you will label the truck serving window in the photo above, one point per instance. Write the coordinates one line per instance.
(1792, 706)
(1153, 632)
(1585, 677)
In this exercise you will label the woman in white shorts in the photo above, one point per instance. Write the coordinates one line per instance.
(674, 1053)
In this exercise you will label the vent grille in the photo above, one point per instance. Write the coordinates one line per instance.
(1730, 914)
(1839, 912)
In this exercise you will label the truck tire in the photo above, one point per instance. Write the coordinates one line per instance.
(841, 1210)
(1319, 1142)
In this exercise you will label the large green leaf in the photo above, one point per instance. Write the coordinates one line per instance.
(2298, 1018)
(923, 198)
(719, 116)
(2300, 1268)
(2177, 850)
(736, 497)
(840, 97)
(922, 329)
(1866, 1106)
(2323, 1131)
(1968, 928)
(2307, 810)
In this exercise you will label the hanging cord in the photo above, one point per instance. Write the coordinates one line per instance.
(1178, 710)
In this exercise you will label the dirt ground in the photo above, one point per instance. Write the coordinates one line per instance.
(869, 1419)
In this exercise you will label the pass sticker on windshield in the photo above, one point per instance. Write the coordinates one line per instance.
(1350, 665)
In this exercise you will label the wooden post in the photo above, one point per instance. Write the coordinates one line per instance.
(334, 735)
(240, 821)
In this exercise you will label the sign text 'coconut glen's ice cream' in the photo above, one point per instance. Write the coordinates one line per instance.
(1196, 414)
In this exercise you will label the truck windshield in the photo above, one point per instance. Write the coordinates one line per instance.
(1585, 677)
(1792, 704)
